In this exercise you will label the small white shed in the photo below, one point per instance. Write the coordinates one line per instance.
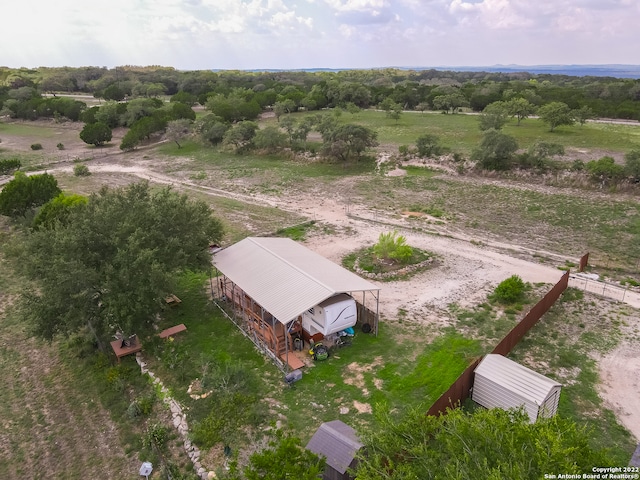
(503, 383)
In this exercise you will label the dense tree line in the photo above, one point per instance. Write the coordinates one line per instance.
(446, 90)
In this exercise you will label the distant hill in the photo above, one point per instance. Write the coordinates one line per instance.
(612, 70)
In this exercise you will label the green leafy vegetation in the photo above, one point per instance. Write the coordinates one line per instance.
(81, 170)
(23, 194)
(296, 232)
(391, 257)
(9, 166)
(509, 291)
(114, 258)
(483, 444)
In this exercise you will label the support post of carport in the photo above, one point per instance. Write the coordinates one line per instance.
(377, 311)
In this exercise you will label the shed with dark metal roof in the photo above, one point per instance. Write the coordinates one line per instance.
(338, 443)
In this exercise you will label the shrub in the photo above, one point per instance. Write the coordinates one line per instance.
(428, 145)
(134, 411)
(60, 146)
(36, 146)
(26, 193)
(393, 246)
(141, 406)
(510, 290)
(7, 167)
(605, 169)
(81, 170)
(155, 436)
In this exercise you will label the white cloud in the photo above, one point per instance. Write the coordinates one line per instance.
(357, 5)
(277, 33)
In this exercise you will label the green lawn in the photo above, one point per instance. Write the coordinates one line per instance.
(460, 132)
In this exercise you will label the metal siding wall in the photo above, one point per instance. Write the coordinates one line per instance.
(550, 406)
(490, 394)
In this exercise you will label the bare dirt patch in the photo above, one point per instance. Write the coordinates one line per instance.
(620, 376)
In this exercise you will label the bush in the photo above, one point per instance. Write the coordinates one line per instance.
(7, 167)
(510, 290)
(36, 146)
(141, 406)
(392, 246)
(428, 145)
(605, 169)
(155, 436)
(60, 146)
(23, 193)
(81, 170)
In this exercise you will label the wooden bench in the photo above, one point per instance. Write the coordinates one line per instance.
(123, 351)
(170, 332)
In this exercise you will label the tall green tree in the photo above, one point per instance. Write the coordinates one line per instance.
(211, 128)
(555, 114)
(583, 114)
(241, 135)
(450, 101)
(178, 129)
(96, 134)
(520, 108)
(392, 109)
(495, 115)
(349, 141)
(110, 265)
(486, 444)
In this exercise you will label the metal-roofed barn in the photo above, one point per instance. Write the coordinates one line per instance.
(272, 282)
(338, 443)
(503, 383)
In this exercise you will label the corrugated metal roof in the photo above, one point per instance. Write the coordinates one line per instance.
(337, 442)
(517, 378)
(284, 277)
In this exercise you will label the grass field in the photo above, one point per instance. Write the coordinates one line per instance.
(460, 132)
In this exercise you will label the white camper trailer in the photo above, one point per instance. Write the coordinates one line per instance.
(333, 315)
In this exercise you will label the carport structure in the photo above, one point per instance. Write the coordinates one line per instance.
(272, 281)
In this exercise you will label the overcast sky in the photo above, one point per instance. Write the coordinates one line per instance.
(288, 34)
